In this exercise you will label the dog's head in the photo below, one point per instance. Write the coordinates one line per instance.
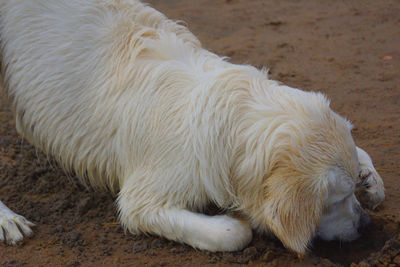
(342, 217)
(306, 175)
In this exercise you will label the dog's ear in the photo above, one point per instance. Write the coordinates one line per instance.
(293, 206)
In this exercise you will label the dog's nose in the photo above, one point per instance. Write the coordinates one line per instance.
(364, 223)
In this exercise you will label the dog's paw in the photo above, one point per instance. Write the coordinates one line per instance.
(223, 233)
(234, 234)
(13, 228)
(372, 191)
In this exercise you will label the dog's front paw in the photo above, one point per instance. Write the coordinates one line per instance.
(371, 192)
(233, 235)
(222, 233)
(13, 228)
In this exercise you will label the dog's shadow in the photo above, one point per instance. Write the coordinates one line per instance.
(379, 232)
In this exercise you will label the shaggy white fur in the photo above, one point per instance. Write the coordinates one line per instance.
(131, 102)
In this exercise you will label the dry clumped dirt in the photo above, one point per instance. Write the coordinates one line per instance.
(349, 50)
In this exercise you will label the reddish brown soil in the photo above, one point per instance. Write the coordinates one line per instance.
(348, 49)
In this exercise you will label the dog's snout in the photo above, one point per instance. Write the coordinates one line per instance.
(364, 222)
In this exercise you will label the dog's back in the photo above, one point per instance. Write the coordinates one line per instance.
(75, 72)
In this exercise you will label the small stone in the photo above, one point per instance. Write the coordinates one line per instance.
(268, 256)
(213, 259)
(150, 253)
(242, 260)
(74, 264)
(250, 252)
(397, 260)
(139, 246)
(84, 205)
(378, 263)
(57, 229)
(363, 264)
(11, 262)
(386, 57)
(178, 250)
(227, 256)
(156, 243)
(325, 262)
(103, 240)
(74, 236)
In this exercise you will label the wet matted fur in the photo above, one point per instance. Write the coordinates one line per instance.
(130, 102)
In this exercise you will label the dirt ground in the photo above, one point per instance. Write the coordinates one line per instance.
(349, 50)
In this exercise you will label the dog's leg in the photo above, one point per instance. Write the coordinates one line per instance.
(215, 233)
(372, 191)
(13, 227)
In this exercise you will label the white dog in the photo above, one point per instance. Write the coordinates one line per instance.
(130, 102)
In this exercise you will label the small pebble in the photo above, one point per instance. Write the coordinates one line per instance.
(250, 252)
(139, 246)
(397, 260)
(268, 256)
(156, 243)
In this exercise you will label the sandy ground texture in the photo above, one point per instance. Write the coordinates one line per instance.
(349, 50)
